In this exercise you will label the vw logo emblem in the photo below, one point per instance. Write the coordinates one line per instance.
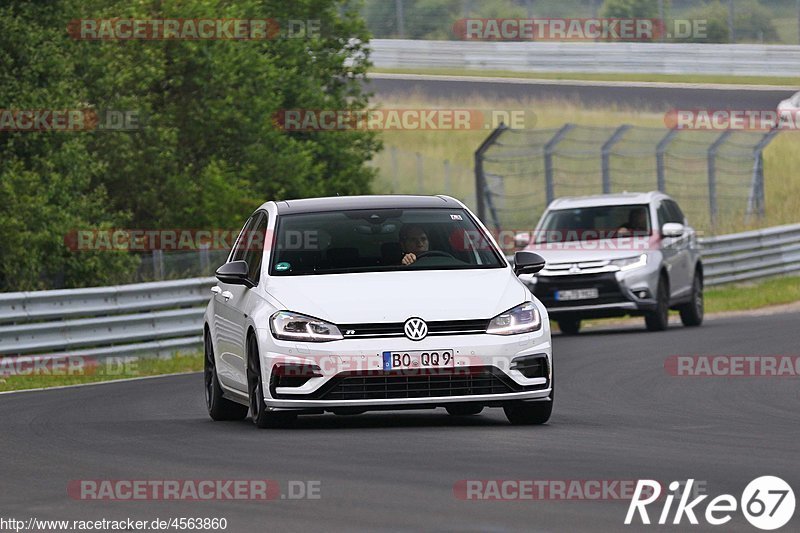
(416, 329)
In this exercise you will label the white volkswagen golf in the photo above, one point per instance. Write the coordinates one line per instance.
(351, 304)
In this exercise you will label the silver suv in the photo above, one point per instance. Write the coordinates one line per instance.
(615, 255)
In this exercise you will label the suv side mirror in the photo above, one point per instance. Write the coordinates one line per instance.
(672, 229)
(234, 273)
(527, 263)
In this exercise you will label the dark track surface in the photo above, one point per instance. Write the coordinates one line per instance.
(618, 415)
(646, 98)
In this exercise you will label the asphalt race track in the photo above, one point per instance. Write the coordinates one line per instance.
(618, 416)
(651, 97)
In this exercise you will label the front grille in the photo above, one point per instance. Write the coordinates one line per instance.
(395, 329)
(397, 385)
(606, 284)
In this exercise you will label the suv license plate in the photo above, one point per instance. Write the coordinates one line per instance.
(418, 359)
(577, 294)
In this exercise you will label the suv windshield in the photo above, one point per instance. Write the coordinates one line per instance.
(377, 240)
(590, 223)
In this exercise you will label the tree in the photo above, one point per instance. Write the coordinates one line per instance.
(208, 150)
(630, 9)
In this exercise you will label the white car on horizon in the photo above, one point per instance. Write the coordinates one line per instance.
(322, 308)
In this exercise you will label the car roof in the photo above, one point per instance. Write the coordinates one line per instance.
(348, 203)
(626, 198)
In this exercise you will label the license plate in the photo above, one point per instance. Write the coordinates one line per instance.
(418, 359)
(577, 294)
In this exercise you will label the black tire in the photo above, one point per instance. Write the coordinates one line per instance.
(464, 409)
(569, 326)
(531, 413)
(262, 417)
(219, 408)
(658, 320)
(693, 311)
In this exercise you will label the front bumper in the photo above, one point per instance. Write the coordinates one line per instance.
(619, 293)
(350, 371)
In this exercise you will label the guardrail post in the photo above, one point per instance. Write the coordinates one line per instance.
(712, 174)
(549, 148)
(661, 149)
(755, 202)
(606, 154)
(480, 179)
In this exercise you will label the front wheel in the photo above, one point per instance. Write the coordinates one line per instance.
(531, 413)
(528, 413)
(569, 326)
(219, 408)
(658, 320)
(262, 417)
(693, 311)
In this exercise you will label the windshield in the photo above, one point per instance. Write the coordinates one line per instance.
(380, 240)
(591, 223)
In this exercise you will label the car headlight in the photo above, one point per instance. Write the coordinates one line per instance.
(289, 326)
(629, 263)
(521, 319)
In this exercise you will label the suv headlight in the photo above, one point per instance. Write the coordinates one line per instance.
(629, 263)
(521, 319)
(289, 326)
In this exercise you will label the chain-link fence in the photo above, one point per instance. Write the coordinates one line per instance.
(717, 177)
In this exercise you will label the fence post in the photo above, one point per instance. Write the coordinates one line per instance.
(661, 149)
(158, 265)
(712, 174)
(606, 154)
(549, 148)
(480, 178)
(755, 202)
(420, 179)
(393, 151)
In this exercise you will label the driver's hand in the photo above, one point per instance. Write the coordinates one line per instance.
(409, 258)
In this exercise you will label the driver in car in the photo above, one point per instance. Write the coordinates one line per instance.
(413, 241)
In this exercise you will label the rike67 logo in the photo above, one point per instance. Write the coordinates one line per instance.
(767, 503)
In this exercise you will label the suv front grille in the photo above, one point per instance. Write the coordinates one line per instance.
(606, 285)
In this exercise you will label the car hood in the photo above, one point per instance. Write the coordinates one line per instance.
(397, 296)
(597, 250)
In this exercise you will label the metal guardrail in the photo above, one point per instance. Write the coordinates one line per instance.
(751, 255)
(154, 318)
(166, 317)
(654, 58)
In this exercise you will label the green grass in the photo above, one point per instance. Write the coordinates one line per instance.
(104, 372)
(755, 295)
(601, 76)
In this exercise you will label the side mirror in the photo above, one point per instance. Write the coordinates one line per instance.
(522, 239)
(672, 229)
(234, 273)
(527, 263)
